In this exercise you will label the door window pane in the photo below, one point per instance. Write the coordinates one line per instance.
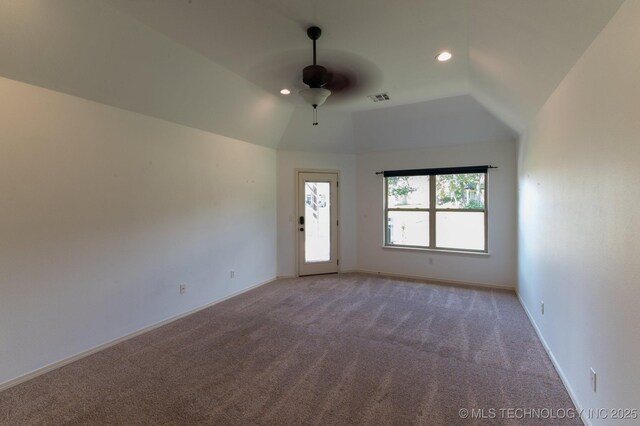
(460, 230)
(408, 228)
(408, 192)
(317, 227)
(464, 191)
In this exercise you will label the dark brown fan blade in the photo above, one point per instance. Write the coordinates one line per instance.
(340, 82)
(350, 77)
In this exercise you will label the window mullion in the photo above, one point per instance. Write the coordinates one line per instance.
(394, 209)
(462, 210)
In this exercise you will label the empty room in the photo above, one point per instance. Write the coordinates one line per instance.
(304, 212)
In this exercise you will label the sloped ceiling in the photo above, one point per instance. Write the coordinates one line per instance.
(520, 50)
(91, 50)
(219, 65)
(251, 37)
(448, 121)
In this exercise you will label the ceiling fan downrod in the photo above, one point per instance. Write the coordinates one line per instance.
(314, 34)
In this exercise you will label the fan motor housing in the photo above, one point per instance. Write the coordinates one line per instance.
(315, 76)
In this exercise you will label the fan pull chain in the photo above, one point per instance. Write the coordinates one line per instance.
(315, 115)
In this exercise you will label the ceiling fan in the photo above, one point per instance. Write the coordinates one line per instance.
(342, 78)
(316, 77)
(347, 78)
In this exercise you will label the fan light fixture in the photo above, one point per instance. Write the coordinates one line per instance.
(315, 96)
(316, 77)
(285, 91)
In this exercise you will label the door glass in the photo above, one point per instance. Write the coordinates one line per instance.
(317, 228)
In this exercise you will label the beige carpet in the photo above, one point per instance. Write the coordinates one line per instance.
(349, 349)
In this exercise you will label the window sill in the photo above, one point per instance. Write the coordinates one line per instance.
(432, 250)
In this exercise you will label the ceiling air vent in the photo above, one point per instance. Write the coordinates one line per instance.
(380, 97)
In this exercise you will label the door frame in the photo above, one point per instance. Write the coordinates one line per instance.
(296, 174)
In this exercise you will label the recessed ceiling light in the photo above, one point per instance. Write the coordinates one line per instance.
(285, 91)
(444, 56)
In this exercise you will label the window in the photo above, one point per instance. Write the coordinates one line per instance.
(442, 209)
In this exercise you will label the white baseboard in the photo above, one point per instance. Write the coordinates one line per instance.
(433, 280)
(47, 368)
(564, 379)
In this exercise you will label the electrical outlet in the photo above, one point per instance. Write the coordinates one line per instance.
(542, 307)
(183, 288)
(594, 379)
(232, 274)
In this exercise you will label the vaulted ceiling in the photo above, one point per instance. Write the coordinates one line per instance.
(219, 65)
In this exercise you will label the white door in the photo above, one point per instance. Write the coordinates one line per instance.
(317, 223)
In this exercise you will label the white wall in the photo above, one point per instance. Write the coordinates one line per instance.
(105, 212)
(499, 268)
(333, 134)
(579, 233)
(288, 162)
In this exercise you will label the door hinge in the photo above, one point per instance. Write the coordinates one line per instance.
(337, 222)
(337, 184)
(338, 261)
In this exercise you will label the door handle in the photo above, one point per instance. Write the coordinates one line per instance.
(301, 220)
